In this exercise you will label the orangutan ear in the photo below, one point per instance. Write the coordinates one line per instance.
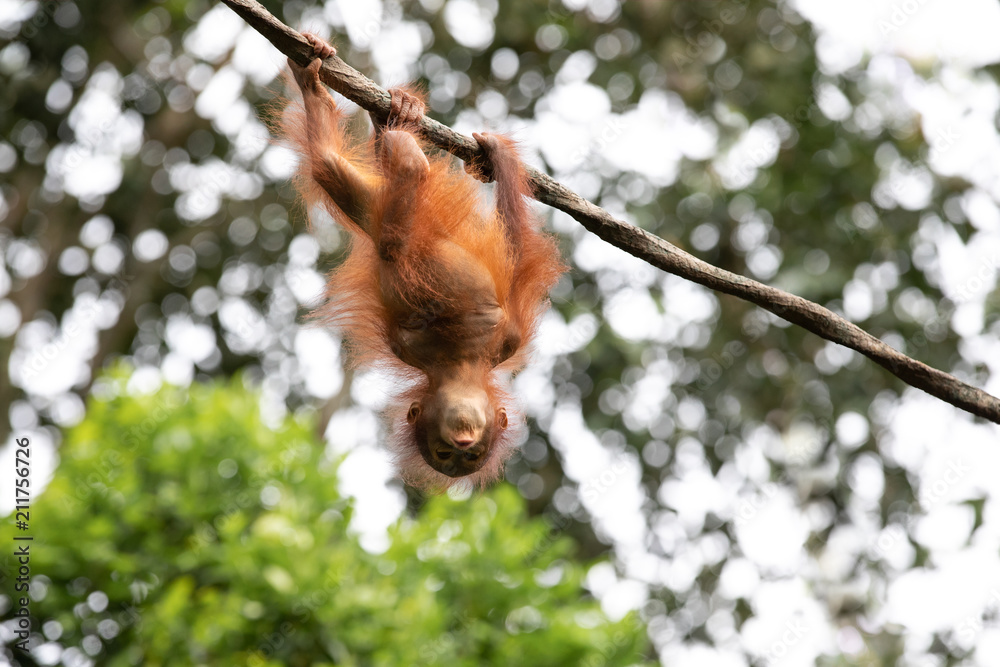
(413, 412)
(502, 418)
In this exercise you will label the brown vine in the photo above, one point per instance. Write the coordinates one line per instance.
(636, 241)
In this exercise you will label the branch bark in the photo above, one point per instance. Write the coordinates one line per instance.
(636, 241)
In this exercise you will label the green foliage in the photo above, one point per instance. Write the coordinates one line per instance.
(181, 529)
(698, 394)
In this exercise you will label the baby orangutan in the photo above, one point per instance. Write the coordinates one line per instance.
(443, 295)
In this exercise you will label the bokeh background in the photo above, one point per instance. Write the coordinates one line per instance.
(718, 487)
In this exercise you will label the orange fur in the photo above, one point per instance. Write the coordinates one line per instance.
(522, 261)
(411, 466)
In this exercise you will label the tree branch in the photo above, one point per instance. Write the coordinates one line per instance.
(636, 241)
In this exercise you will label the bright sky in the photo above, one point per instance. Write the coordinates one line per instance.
(951, 458)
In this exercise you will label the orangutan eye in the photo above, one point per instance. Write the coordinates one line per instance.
(443, 454)
(469, 456)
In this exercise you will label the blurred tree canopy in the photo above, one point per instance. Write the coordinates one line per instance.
(745, 476)
(181, 529)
